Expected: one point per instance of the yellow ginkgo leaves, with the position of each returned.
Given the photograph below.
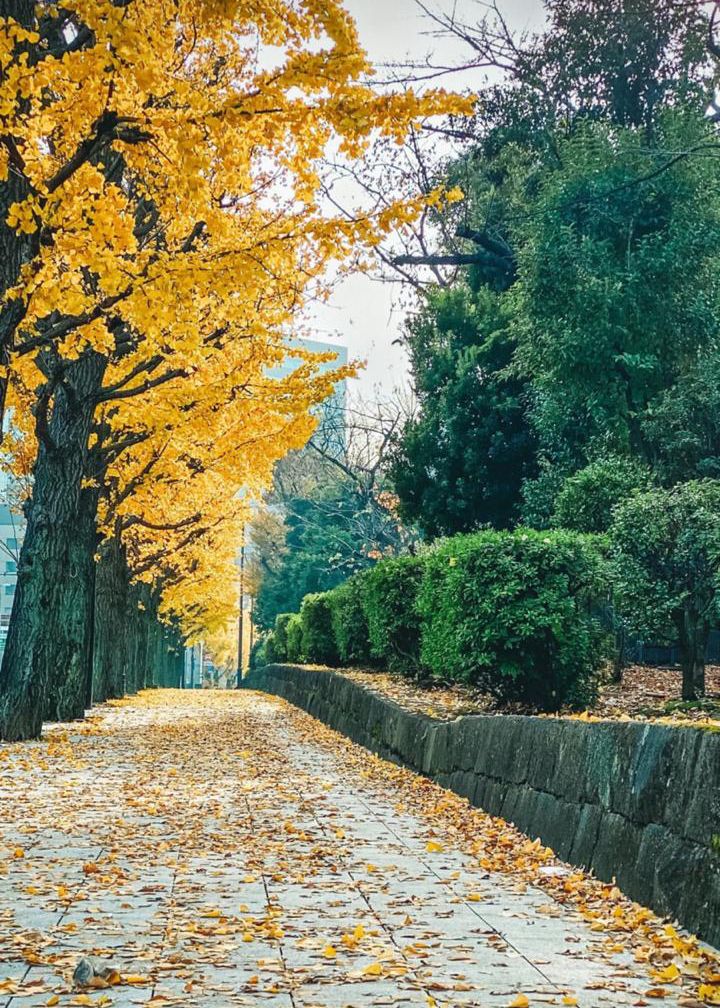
(176, 188)
(21, 217)
(374, 969)
(351, 940)
(668, 974)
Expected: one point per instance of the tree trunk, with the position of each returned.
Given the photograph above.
(44, 667)
(111, 601)
(137, 651)
(73, 690)
(693, 637)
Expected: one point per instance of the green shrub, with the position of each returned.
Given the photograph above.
(512, 612)
(390, 590)
(586, 500)
(257, 654)
(349, 623)
(294, 638)
(280, 635)
(665, 551)
(271, 650)
(318, 640)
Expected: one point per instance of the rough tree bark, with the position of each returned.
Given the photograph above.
(111, 601)
(45, 665)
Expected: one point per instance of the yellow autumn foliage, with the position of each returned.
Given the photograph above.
(171, 225)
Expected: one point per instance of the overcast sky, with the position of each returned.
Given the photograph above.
(361, 313)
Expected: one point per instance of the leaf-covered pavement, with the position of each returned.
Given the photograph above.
(223, 849)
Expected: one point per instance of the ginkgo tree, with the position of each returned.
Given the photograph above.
(178, 503)
(159, 206)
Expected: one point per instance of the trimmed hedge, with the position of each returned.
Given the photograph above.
(271, 650)
(258, 656)
(349, 622)
(389, 603)
(318, 640)
(280, 633)
(513, 613)
(294, 639)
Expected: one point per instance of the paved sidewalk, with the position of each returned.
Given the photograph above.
(222, 849)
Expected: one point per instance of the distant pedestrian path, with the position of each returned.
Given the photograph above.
(223, 849)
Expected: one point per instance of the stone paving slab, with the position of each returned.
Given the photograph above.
(211, 851)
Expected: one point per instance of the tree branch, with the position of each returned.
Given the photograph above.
(151, 383)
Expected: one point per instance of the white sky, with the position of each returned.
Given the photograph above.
(361, 313)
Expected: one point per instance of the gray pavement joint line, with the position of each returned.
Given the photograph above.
(56, 925)
(467, 904)
(170, 904)
(412, 969)
(268, 901)
(6, 1004)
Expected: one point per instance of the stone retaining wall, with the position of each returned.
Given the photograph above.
(631, 801)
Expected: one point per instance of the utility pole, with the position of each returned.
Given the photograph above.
(250, 626)
(238, 683)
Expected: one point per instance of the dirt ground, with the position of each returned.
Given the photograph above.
(645, 693)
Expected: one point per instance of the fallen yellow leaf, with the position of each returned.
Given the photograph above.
(373, 969)
(709, 993)
(670, 973)
(520, 1001)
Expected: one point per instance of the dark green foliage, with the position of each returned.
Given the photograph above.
(294, 639)
(333, 532)
(513, 614)
(271, 653)
(280, 635)
(461, 463)
(624, 62)
(318, 553)
(586, 500)
(318, 640)
(608, 290)
(390, 590)
(682, 425)
(666, 551)
(257, 654)
(617, 288)
(349, 623)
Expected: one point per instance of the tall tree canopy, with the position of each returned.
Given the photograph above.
(590, 225)
(462, 462)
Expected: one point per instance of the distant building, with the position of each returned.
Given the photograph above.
(332, 411)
